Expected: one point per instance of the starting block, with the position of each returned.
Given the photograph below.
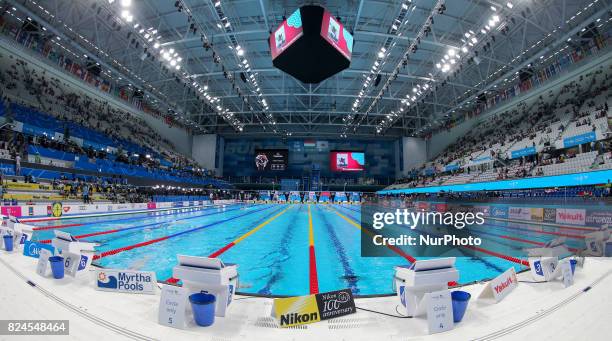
(74, 251)
(412, 283)
(210, 275)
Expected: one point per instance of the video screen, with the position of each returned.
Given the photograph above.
(346, 161)
(286, 34)
(271, 159)
(334, 32)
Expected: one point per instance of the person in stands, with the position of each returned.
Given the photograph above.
(86, 199)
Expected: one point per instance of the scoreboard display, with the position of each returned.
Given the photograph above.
(271, 159)
(346, 161)
(334, 32)
(286, 34)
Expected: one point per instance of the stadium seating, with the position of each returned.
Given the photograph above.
(549, 131)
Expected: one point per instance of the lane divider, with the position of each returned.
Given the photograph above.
(42, 228)
(157, 240)
(248, 234)
(573, 236)
(391, 247)
(551, 225)
(222, 250)
(314, 279)
(476, 248)
(51, 227)
(99, 233)
(95, 215)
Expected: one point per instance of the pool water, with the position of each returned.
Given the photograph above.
(271, 243)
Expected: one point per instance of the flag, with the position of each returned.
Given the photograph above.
(310, 143)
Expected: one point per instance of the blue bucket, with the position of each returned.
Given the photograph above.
(203, 306)
(57, 266)
(573, 263)
(8, 242)
(460, 302)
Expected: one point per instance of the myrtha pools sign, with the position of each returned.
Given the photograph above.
(136, 282)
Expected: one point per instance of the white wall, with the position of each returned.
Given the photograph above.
(179, 137)
(440, 141)
(414, 152)
(203, 150)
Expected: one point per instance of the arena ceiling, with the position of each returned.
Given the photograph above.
(197, 50)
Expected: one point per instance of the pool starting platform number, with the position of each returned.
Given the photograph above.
(439, 311)
(293, 311)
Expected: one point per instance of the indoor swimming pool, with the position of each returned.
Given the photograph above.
(281, 249)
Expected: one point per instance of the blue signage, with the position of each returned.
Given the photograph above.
(576, 179)
(579, 139)
(499, 211)
(522, 152)
(32, 249)
(449, 168)
(429, 171)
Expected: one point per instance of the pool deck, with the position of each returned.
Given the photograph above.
(533, 311)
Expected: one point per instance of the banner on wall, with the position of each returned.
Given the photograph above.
(573, 216)
(550, 215)
(14, 211)
(450, 168)
(522, 152)
(485, 210)
(537, 214)
(499, 212)
(579, 139)
(519, 213)
(598, 218)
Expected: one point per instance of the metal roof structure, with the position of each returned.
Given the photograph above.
(209, 61)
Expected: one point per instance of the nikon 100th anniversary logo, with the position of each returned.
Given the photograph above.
(292, 311)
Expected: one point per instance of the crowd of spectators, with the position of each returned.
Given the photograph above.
(494, 136)
(49, 95)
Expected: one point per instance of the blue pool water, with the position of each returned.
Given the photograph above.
(275, 259)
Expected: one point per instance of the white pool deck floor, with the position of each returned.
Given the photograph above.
(543, 311)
